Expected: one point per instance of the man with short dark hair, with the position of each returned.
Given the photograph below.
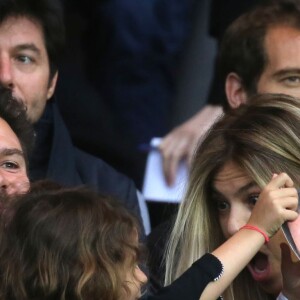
(16, 143)
(260, 53)
(31, 40)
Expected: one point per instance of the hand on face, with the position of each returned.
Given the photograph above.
(277, 203)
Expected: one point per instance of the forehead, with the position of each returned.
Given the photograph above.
(21, 30)
(8, 138)
(230, 171)
(231, 178)
(282, 46)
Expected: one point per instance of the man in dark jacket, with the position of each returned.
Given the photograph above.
(31, 40)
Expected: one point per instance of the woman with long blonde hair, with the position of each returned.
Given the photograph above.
(238, 158)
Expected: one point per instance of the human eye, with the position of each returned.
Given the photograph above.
(292, 80)
(10, 165)
(252, 199)
(25, 59)
(222, 205)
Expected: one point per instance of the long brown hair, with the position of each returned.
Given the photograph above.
(65, 244)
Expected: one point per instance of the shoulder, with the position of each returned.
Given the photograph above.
(104, 178)
(94, 168)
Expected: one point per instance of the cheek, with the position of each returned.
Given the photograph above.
(295, 232)
(274, 246)
(234, 219)
(133, 291)
(223, 225)
(19, 183)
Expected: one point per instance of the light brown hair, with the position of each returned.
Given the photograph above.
(263, 138)
(65, 243)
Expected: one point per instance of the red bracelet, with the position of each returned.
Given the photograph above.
(267, 239)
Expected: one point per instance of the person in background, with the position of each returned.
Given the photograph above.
(130, 53)
(16, 144)
(31, 42)
(180, 143)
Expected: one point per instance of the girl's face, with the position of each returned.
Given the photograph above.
(134, 279)
(236, 194)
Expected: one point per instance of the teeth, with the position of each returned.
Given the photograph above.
(258, 270)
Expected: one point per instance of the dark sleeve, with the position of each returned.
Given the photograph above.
(190, 285)
(105, 179)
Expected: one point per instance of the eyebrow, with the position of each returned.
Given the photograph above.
(242, 190)
(11, 151)
(286, 71)
(29, 46)
(245, 188)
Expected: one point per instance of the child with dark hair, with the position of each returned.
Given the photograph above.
(68, 244)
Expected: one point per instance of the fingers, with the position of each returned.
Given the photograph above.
(281, 189)
(281, 180)
(173, 150)
(290, 215)
(277, 203)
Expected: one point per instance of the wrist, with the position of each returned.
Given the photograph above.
(257, 229)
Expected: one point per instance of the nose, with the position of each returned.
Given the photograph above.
(6, 72)
(140, 275)
(4, 184)
(237, 218)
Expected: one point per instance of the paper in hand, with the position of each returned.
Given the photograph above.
(291, 231)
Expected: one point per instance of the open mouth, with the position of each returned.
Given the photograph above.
(259, 267)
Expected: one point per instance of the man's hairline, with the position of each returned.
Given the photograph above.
(38, 22)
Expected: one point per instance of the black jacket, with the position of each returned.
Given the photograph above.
(191, 284)
(55, 158)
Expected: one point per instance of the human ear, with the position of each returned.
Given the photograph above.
(52, 86)
(235, 92)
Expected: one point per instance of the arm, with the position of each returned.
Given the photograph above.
(280, 203)
(277, 203)
(180, 143)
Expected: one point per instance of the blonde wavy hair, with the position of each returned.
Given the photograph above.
(66, 244)
(263, 138)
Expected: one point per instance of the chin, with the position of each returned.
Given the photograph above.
(272, 289)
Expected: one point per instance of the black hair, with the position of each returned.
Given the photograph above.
(49, 14)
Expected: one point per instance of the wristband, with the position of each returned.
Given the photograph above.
(267, 239)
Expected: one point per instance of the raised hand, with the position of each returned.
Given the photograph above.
(181, 142)
(276, 204)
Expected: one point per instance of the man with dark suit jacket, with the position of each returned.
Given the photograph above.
(31, 40)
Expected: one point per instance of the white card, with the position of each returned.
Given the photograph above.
(155, 187)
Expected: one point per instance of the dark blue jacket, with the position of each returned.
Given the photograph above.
(70, 166)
